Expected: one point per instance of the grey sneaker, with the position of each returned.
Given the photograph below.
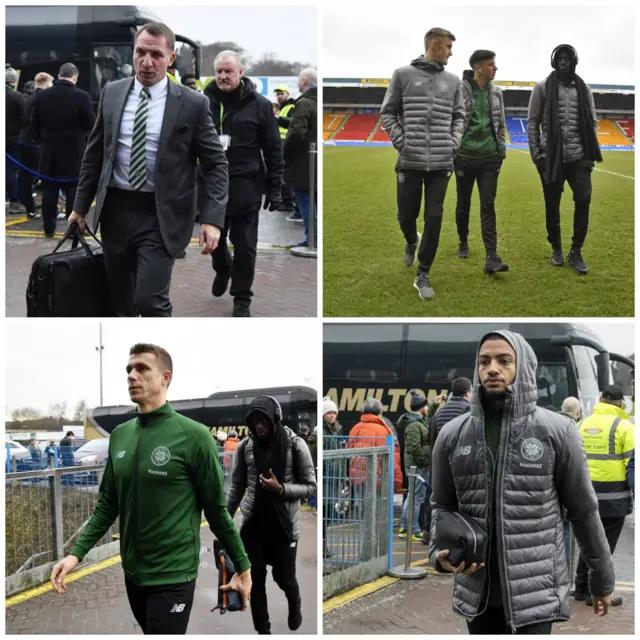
(410, 252)
(423, 285)
(463, 249)
(557, 260)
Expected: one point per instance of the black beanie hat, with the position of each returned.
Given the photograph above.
(479, 55)
(417, 401)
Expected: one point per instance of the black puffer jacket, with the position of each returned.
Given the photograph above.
(541, 467)
(299, 478)
(255, 152)
(452, 408)
(14, 114)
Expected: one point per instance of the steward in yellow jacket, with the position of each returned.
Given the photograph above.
(609, 441)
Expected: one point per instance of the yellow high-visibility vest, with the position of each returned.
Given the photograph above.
(609, 441)
(284, 111)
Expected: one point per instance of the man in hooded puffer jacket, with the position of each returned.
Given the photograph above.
(273, 472)
(423, 112)
(511, 467)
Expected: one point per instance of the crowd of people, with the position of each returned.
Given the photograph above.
(526, 477)
(159, 156)
(441, 124)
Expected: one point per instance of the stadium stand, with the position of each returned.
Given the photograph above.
(610, 136)
(358, 127)
(517, 129)
(331, 122)
(629, 128)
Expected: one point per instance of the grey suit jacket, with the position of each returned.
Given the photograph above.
(187, 136)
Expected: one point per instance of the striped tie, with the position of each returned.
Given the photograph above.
(138, 162)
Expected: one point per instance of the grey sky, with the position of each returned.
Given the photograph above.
(364, 44)
(209, 355)
(289, 32)
(617, 337)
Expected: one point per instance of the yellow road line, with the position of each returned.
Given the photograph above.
(366, 589)
(14, 222)
(76, 575)
(33, 233)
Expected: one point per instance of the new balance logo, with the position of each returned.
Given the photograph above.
(177, 608)
(463, 451)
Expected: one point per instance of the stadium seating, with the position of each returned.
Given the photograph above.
(610, 135)
(517, 128)
(629, 127)
(358, 127)
(331, 121)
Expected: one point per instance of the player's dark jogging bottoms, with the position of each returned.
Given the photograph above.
(410, 189)
(162, 609)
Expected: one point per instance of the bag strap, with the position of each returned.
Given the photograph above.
(73, 231)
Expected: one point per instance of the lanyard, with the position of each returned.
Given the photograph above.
(221, 117)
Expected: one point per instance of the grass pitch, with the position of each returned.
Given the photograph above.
(363, 246)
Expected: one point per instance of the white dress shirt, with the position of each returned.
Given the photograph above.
(155, 115)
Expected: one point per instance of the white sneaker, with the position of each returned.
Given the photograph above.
(62, 216)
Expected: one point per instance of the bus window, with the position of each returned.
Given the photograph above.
(109, 63)
(553, 386)
(623, 375)
(586, 372)
(363, 352)
(185, 59)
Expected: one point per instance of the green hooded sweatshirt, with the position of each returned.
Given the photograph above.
(162, 471)
(479, 140)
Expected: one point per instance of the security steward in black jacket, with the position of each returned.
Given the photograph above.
(62, 118)
(249, 134)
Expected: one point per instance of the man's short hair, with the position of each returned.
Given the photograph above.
(227, 53)
(460, 386)
(158, 29)
(68, 70)
(158, 352)
(70, 433)
(43, 79)
(437, 34)
(373, 406)
(479, 55)
(309, 75)
(187, 76)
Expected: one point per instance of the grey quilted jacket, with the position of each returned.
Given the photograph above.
(299, 481)
(423, 113)
(568, 114)
(496, 108)
(541, 467)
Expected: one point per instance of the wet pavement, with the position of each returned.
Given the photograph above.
(98, 604)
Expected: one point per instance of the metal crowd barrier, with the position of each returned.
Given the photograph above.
(46, 511)
(357, 511)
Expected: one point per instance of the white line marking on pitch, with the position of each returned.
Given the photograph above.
(613, 173)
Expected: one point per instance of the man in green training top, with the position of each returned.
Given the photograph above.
(480, 156)
(162, 472)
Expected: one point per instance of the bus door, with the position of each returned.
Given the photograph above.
(109, 62)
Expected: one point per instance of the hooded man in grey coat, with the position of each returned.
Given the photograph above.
(273, 472)
(511, 466)
(423, 113)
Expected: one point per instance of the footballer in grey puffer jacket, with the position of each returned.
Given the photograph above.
(541, 467)
(423, 113)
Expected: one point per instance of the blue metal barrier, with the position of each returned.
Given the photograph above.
(357, 510)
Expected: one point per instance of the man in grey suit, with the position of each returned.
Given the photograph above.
(140, 165)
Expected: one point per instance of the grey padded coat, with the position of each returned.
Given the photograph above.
(568, 116)
(541, 467)
(299, 481)
(423, 113)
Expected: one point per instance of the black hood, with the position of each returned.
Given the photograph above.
(245, 91)
(267, 407)
(427, 65)
(467, 74)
